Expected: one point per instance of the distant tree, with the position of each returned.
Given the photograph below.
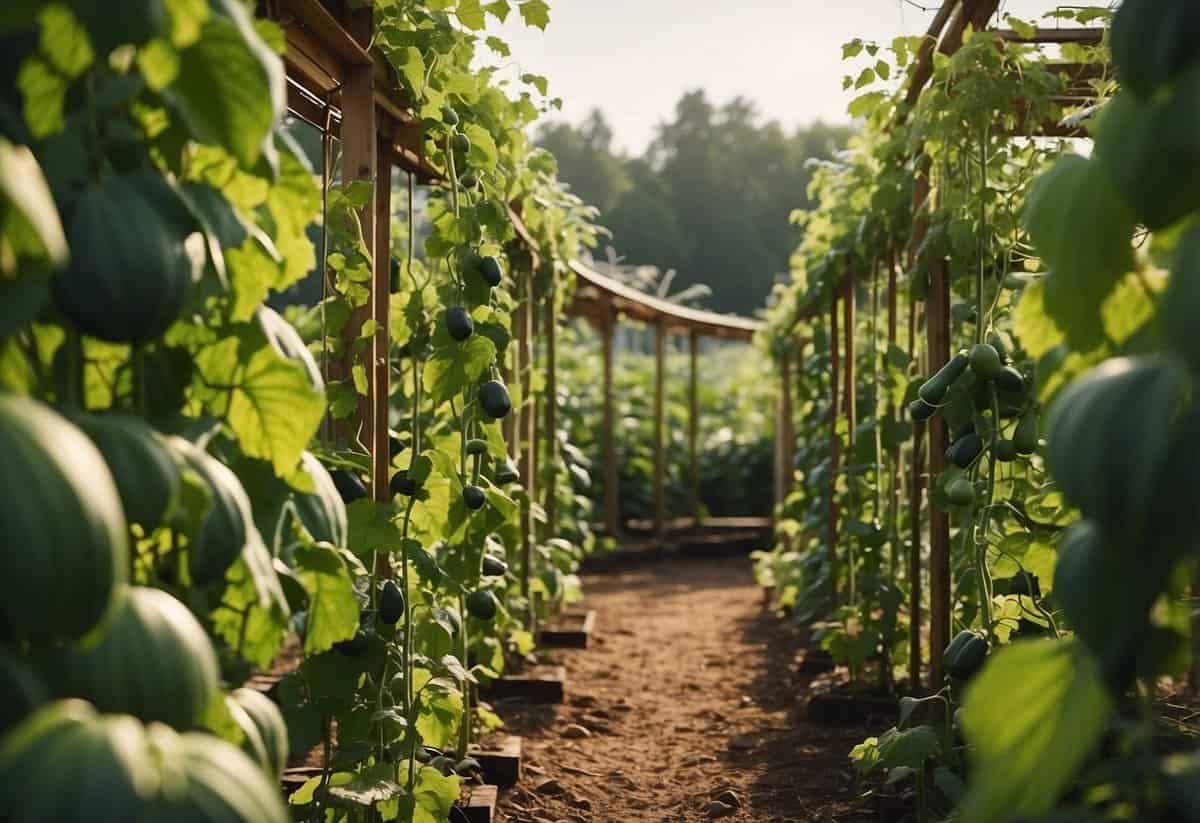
(585, 159)
(711, 197)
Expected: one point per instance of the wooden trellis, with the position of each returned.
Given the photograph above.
(927, 459)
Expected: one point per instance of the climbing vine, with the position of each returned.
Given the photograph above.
(155, 200)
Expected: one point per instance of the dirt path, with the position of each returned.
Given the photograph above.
(689, 692)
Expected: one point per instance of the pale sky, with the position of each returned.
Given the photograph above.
(634, 58)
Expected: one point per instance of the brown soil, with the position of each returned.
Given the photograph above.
(690, 689)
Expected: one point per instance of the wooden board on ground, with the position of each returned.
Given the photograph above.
(850, 710)
(569, 630)
(478, 804)
(500, 760)
(543, 684)
(816, 661)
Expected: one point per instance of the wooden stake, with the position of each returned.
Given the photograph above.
(612, 514)
(694, 421)
(660, 469)
(850, 399)
(835, 442)
(551, 400)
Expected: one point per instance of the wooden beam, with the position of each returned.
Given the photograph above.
(323, 26)
(694, 421)
(612, 510)
(660, 467)
(1087, 36)
(923, 65)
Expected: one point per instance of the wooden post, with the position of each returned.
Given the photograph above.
(835, 441)
(914, 559)
(786, 433)
(894, 453)
(359, 162)
(381, 292)
(551, 399)
(525, 425)
(660, 468)
(850, 399)
(612, 513)
(694, 422)
(937, 330)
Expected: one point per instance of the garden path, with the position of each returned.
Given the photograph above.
(689, 696)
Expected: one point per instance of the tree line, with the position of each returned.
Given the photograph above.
(710, 197)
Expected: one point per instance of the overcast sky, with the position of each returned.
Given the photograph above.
(634, 58)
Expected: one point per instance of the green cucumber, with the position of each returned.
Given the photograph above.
(965, 450)
(1011, 381)
(933, 391)
(1025, 438)
(960, 492)
(985, 361)
(919, 410)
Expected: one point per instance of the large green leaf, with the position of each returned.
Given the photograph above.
(332, 606)
(265, 398)
(1032, 717)
(229, 88)
(451, 368)
(1075, 199)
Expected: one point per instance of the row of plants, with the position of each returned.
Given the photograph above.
(735, 437)
(186, 475)
(1069, 403)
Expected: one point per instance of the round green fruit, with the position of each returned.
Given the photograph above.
(1006, 450)
(126, 286)
(965, 655)
(459, 324)
(494, 566)
(474, 498)
(229, 524)
(489, 268)
(920, 411)
(122, 770)
(153, 660)
(449, 116)
(391, 603)
(506, 473)
(960, 492)
(985, 361)
(477, 446)
(349, 486)
(146, 473)
(63, 526)
(322, 512)
(461, 143)
(403, 485)
(1011, 381)
(481, 605)
(272, 730)
(21, 692)
(494, 399)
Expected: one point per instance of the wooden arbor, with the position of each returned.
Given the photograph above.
(602, 300)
